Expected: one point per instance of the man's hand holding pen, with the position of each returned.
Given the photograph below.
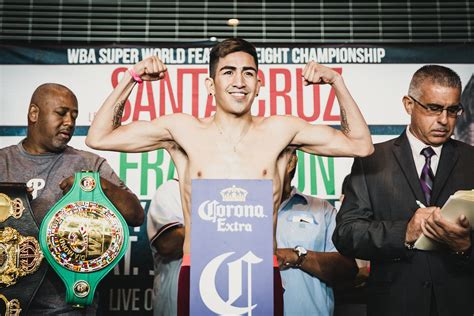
(414, 228)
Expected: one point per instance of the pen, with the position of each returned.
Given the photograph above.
(420, 204)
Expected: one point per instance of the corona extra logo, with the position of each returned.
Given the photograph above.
(207, 284)
(234, 194)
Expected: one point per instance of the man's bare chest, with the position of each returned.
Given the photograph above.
(213, 156)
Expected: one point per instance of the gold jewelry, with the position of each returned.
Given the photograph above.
(12, 307)
(234, 144)
(19, 256)
(9, 207)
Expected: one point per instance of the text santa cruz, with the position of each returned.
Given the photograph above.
(215, 212)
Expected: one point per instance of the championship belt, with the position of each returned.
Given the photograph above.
(83, 237)
(21, 266)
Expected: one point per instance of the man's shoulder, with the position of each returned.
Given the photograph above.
(9, 154)
(183, 122)
(462, 146)
(387, 144)
(75, 151)
(83, 154)
(382, 148)
(167, 188)
(317, 203)
(9, 149)
(180, 117)
(276, 118)
(278, 123)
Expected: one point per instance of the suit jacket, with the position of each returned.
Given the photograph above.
(379, 201)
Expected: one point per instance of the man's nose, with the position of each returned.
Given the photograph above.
(69, 119)
(443, 117)
(239, 80)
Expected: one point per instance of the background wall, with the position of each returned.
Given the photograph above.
(87, 46)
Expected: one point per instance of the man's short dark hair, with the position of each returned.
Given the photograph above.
(229, 46)
(436, 74)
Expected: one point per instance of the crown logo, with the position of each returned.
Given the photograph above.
(234, 194)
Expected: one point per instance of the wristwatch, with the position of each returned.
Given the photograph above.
(409, 245)
(301, 252)
(83, 237)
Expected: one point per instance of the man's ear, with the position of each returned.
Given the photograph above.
(408, 104)
(259, 85)
(210, 86)
(33, 113)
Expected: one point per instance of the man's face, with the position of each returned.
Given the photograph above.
(236, 83)
(432, 129)
(56, 121)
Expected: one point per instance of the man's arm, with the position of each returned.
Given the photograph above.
(165, 227)
(126, 202)
(330, 267)
(106, 132)
(169, 244)
(358, 234)
(354, 137)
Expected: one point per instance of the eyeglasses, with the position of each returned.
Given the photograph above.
(436, 109)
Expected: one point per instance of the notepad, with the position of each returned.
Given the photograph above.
(461, 202)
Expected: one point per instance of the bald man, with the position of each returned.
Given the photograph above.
(45, 162)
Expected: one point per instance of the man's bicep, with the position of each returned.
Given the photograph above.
(141, 136)
(320, 140)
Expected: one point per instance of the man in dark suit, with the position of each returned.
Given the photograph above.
(381, 217)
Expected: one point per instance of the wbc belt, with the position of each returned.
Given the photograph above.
(83, 237)
(21, 266)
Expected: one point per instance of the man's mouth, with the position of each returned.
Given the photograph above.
(440, 132)
(239, 95)
(65, 134)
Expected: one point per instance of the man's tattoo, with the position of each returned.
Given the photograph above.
(344, 124)
(118, 113)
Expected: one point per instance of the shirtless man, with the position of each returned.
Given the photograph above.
(232, 144)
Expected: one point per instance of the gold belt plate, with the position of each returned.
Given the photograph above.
(84, 236)
(19, 256)
(9, 207)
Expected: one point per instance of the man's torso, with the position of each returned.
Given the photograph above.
(204, 153)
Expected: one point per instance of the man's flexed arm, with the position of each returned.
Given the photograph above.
(354, 137)
(106, 131)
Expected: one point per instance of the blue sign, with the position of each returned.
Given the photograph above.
(232, 247)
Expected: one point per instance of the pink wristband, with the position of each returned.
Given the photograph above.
(134, 75)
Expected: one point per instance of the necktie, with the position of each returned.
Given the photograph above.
(427, 176)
